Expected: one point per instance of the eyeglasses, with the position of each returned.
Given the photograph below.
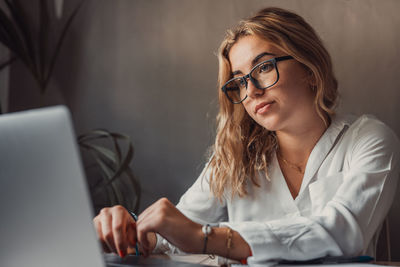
(262, 75)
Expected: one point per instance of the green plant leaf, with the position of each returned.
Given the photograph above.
(7, 62)
(108, 168)
(92, 135)
(10, 37)
(21, 19)
(59, 44)
(99, 134)
(136, 186)
(99, 187)
(107, 171)
(103, 151)
(116, 174)
(118, 153)
(120, 197)
(118, 170)
(12, 40)
(112, 190)
(112, 195)
(43, 36)
(4, 36)
(124, 165)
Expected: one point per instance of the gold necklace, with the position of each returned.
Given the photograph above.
(291, 165)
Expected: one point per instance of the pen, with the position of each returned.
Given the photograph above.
(135, 218)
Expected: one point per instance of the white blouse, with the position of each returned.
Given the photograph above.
(348, 187)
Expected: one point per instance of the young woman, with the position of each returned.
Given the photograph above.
(287, 178)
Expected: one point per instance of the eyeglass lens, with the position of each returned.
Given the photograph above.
(262, 76)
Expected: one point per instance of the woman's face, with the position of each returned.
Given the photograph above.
(286, 105)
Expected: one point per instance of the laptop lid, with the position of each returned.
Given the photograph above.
(46, 212)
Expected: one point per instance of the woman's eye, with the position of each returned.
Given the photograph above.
(265, 67)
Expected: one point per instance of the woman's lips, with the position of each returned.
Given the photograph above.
(263, 107)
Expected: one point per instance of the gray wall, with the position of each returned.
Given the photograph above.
(148, 68)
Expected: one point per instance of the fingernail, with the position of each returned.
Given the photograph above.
(121, 254)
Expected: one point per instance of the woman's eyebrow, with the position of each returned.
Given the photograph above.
(236, 72)
(254, 61)
(257, 58)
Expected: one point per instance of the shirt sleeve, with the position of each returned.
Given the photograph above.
(199, 205)
(346, 224)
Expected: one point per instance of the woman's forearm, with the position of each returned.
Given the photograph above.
(222, 241)
(218, 243)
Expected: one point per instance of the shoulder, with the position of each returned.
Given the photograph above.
(366, 133)
(368, 127)
(367, 124)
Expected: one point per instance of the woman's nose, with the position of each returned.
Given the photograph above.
(253, 91)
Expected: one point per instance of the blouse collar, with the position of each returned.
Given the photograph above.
(325, 144)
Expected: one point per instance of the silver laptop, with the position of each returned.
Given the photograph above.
(45, 210)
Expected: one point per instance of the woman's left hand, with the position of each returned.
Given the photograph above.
(164, 218)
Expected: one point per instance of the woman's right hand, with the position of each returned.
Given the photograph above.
(116, 230)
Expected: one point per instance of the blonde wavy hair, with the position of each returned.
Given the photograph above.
(242, 147)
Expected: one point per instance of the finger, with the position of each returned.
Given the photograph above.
(106, 248)
(131, 240)
(97, 226)
(131, 234)
(141, 236)
(119, 225)
(143, 227)
(152, 220)
(106, 228)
